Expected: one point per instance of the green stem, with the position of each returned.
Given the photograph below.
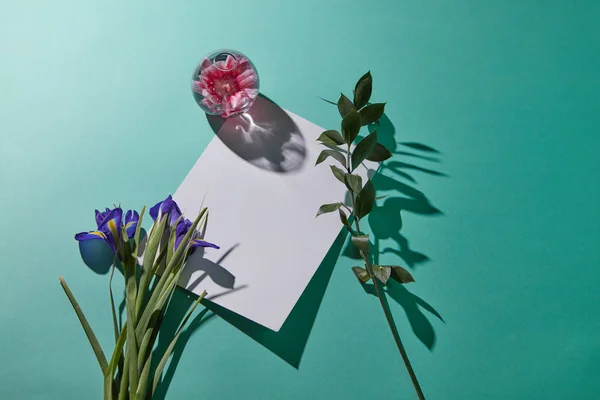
(382, 301)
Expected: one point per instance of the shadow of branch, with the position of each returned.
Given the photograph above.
(386, 222)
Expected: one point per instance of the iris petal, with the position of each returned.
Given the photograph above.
(131, 221)
(167, 206)
(202, 243)
(116, 215)
(93, 235)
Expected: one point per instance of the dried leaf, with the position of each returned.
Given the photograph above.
(382, 273)
(361, 274)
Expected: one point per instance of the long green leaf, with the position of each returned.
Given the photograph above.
(109, 383)
(157, 301)
(154, 238)
(132, 348)
(143, 384)
(150, 307)
(117, 352)
(125, 381)
(165, 357)
(86, 327)
(138, 230)
(112, 302)
(363, 149)
(143, 349)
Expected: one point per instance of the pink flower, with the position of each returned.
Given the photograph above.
(228, 87)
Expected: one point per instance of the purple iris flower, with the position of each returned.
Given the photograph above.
(196, 241)
(170, 207)
(167, 206)
(109, 221)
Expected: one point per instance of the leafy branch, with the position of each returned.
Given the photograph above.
(355, 114)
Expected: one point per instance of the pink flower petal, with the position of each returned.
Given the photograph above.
(197, 87)
(206, 63)
(229, 62)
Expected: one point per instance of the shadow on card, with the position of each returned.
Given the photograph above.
(289, 343)
(265, 137)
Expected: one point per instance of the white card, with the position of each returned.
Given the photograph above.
(259, 181)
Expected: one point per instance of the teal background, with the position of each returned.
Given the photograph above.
(96, 109)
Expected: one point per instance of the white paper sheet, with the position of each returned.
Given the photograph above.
(259, 181)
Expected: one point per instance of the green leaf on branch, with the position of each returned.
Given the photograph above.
(350, 126)
(362, 78)
(327, 208)
(401, 275)
(362, 91)
(345, 221)
(382, 273)
(361, 274)
(331, 153)
(344, 105)
(331, 138)
(365, 200)
(361, 242)
(326, 101)
(363, 149)
(371, 113)
(379, 153)
(353, 182)
(338, 173)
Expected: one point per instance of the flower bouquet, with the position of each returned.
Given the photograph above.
(151, 265)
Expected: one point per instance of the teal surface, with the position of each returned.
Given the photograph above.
(96, 109)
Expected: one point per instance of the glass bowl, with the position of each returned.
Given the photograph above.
(225, 83)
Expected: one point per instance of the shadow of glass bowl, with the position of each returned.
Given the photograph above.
(265, 136)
